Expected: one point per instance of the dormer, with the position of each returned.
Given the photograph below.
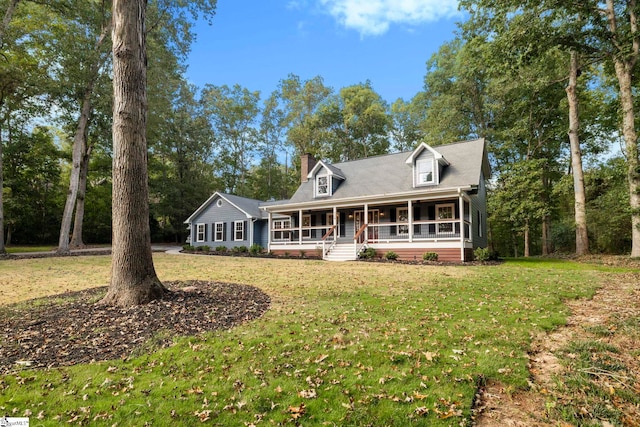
(427, 165)
(325, 178)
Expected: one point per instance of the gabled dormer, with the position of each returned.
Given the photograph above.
(427, 165)
(326, 179)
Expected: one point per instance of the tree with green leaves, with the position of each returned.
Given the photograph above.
(180, 159)
(356, 124)
(515, 200)
(407, 119)
(602, 30)
(300, 101)
(455, 93)
(233, 113)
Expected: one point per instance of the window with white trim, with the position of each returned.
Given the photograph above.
(238, 227)
(306, 225)
(402, 215)
(322, 185)
(446, 214)
(479, 224)
(201, 232)
(219, 232)
(281, 229)
(424, 172)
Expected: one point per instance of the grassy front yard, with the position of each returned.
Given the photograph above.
(343, 344)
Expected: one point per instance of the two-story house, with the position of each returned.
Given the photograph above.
(425, 200)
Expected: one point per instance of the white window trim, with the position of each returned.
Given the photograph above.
(201, 232)
(480, 224)
(278, 225)
(448, 221)
(216, 231)
(416, 174)
(235, 231)
(402, 229)
(328, 192)
(306, 228)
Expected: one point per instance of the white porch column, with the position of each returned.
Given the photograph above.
(300, 226)
(335, 223)
(410, 212)
(366, 221)
(461, 209)
(250, 223)
(270, 224)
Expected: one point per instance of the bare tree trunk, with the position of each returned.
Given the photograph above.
(582, 240)
(80, 145)
(526, 239)
(78, 218)
(133, 277)
(546, 235)
(3, 250)
(624, 63)
(8, 14)
(78, 152)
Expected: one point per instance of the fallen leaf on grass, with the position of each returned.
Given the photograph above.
(297, 411)
(308, 394)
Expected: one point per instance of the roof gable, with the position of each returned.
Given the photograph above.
(249, 207)
(424, 146)
(331, 170)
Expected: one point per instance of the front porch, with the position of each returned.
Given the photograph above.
(409, 228)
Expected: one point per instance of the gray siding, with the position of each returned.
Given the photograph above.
(226, 214)
(479, 206)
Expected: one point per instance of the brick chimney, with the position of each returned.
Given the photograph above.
(307, 162)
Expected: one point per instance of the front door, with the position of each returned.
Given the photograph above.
(373, 218)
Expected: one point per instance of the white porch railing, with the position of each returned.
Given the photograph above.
(381, 232)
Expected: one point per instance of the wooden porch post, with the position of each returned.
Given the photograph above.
(410, 212)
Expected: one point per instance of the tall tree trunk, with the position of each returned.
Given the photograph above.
(79, 150)
(78, 218)
(8, 14)
(2, 246)
(624, 63)
(526, 239)
(580, 203)
(546, 235)
(133, 277)
(78, 153)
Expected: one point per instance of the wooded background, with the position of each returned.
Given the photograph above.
(524, 75)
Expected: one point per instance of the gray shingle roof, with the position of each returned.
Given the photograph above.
(389, 174)
(249, 206)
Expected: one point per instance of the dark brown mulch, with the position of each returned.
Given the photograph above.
(70, 328)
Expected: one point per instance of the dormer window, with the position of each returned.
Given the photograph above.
(427, 165)
(322, 185)
(424, 171)
(326, 179)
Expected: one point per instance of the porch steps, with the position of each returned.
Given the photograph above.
(341, 252)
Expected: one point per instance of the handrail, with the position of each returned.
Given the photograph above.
(326, 250)
(328, 233)
(360, 231)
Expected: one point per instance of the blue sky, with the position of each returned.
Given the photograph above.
(257, 43)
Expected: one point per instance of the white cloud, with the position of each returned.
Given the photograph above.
(373, 17)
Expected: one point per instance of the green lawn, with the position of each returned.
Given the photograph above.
(343, 344)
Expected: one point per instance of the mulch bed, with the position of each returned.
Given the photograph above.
(71, 328)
